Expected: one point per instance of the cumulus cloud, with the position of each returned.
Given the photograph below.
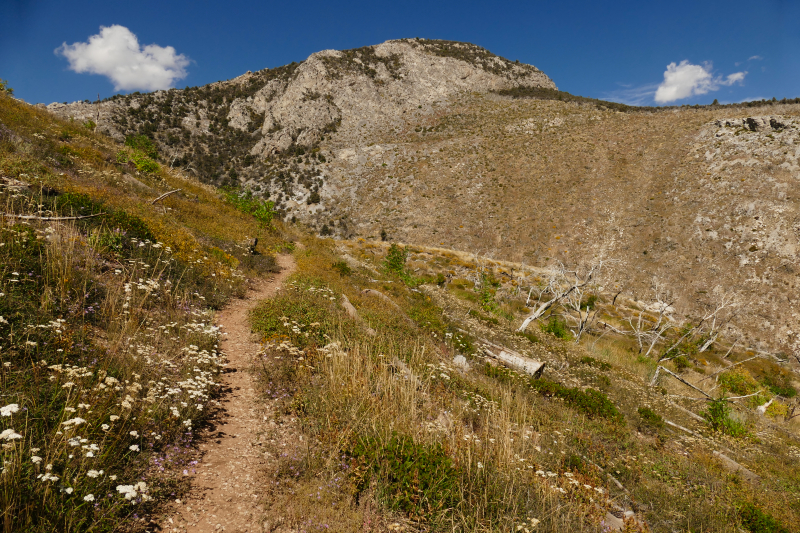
(682, 80)
(115, 53)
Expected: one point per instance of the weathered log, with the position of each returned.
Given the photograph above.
(164, 196)
(513, 359)
(732, 466)
(355, 316)
(50, 219)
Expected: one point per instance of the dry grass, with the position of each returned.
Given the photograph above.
(511, 448)
(108, 354)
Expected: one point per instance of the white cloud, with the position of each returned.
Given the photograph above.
(115, 53)
(755, 58)
(682, 80)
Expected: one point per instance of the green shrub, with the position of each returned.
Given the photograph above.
(395, 261)
(418, 479)
(4, 88)
(718, 417)
(649, 420)
(592, 402)
(142, 144)
(342, 268)
(757, 521)
(591, 361)
(738, 381)
(244, 201)
(681, 363)
(556, 326)
(141, 161)
(779, 386)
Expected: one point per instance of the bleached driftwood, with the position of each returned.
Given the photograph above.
(164, 196)
(732, 466)
(513, 359)
(355, 316)
(676, 376)
(50, 219)
(689, 431)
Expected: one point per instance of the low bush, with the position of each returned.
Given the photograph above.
(418, 479)
(556, 326)
(718, 417)
(591, 361)
(649, 420)
(757, 521)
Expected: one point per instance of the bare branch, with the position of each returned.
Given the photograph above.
(164, 196)
(676, 376)
(50, 219)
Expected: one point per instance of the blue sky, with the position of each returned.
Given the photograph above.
(730, 50)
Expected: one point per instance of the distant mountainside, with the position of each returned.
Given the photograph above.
(445, 144)
(249, 129)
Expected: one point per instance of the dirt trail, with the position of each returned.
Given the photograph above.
(226, 489)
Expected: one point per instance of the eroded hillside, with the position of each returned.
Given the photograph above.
(412, 140)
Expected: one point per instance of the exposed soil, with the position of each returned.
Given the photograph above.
(226, 494)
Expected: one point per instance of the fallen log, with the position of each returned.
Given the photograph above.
(732, 466)
(355, 316)
(513, 359)
(50, 219)
(164, 196)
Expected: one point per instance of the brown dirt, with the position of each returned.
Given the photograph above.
(227, 492)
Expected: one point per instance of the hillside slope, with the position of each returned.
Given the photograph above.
(412, 139)
(398, 394)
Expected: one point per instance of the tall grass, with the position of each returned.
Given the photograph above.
(108, 354)
(391, 421)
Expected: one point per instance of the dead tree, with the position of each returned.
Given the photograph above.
(585, 312)
(652, 333)
(560, 285)
(715, 321)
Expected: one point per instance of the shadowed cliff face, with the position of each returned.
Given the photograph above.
(409, 137)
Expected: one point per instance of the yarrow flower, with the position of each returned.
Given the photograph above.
(10, 434)
(133, 447)
(88, 498)
(131, 491)
(92, 473)
(77, 421)
(35, 459)
(9, 409)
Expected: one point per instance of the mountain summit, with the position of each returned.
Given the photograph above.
(220, 130)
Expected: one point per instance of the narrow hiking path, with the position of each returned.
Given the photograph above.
(226, 493)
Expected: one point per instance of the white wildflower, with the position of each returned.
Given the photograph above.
(92, 473)
(10, 434)
(88, 498)
(35, 459)
(133, 447)
(77, 421)
(114, 418)
(9, 409)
